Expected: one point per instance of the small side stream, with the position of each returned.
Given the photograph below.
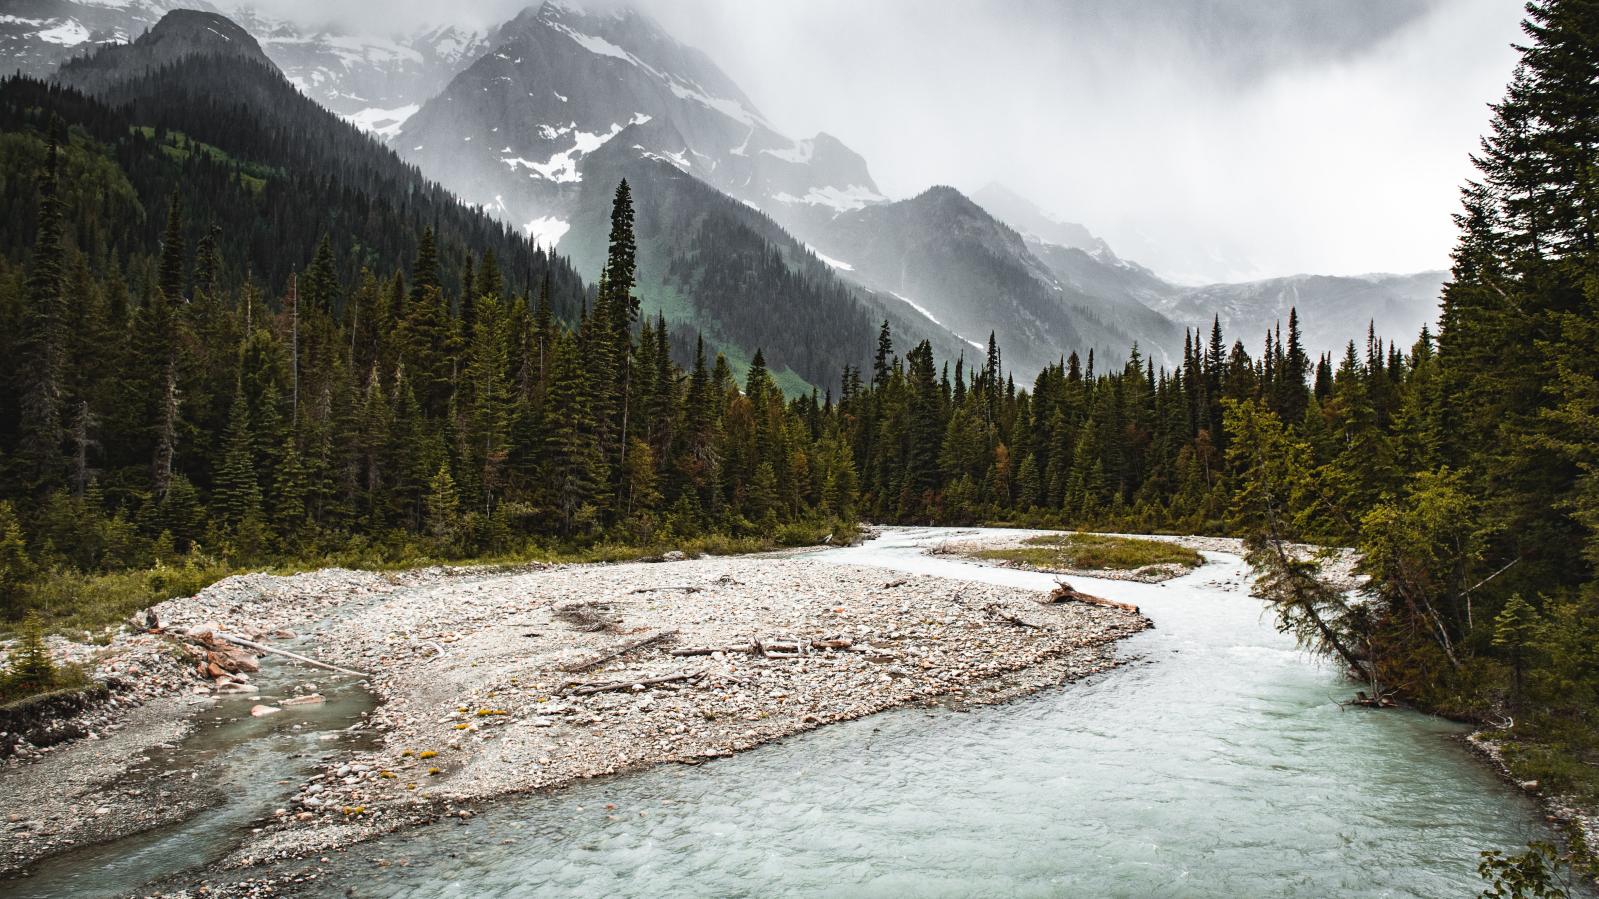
(251, 764)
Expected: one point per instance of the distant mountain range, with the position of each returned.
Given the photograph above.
(752, 237)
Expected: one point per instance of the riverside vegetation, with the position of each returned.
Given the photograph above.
(1085, 552)
(165, 408)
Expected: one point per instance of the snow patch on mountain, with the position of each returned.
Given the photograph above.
(838, 264)
(918, 307)
(799, 154)
(385, 123)
(844, 199)
(730, 108)
(603, 47)
(68, 33)
(546, 231)
(677, 160)
(561, 168)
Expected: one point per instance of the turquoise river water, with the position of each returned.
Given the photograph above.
(1217, 763)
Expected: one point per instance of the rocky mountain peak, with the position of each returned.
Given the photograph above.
(179, 34)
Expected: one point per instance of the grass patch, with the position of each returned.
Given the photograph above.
(71, 600)
(1094, 552)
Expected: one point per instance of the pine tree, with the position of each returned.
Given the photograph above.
(30, 668)
(443, 505)
(41, 347)
(577, 467)
(238, 492)
(885, 351)
(290, 490)
(1515, 630)
(16, 567)
(425, 269)
(426, 339)
(173, 249)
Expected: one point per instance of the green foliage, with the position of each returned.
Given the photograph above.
(15, 567)
(1089, 552)
(1538, 873)
(30, 669)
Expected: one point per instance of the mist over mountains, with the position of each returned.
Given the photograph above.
(750, 237)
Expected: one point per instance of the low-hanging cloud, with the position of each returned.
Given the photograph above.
(1210, 140)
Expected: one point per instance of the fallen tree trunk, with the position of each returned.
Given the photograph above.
(783, 648)
(626, 646)
(1064, 592)
(712, 650)
(1013, 619)
(578, 688)
(258, 647)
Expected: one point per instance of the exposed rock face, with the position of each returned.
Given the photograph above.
(513, 130)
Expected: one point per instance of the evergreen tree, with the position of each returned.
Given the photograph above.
(238, 492)
(41, 347)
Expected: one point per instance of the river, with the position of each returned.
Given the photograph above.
(1217, 763)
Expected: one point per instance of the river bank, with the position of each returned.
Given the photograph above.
(493, 683)
(1218, 765)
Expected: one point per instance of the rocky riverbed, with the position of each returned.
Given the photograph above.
(492, 683)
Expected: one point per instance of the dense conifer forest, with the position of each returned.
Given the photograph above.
(212, 362)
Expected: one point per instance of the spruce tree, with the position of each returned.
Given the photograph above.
(173, 250)
(41, 347)
(16, 567)
(238, 492)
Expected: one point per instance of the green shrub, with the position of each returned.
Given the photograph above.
(1091, 552)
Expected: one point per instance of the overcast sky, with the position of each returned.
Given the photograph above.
(1210, 140)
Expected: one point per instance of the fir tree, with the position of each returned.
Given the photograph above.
(41, 348)
(238, 492)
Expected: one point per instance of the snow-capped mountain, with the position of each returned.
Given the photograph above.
(512, 130)
(1331, 308)
(36, 36)
(536, 120)
(374, 81)
(521, 130)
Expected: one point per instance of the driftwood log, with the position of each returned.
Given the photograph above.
(581, 688)
(623, 648)
(997, 612)
(712, 650)
(1064, 592)
(777, 648)
(258, 647)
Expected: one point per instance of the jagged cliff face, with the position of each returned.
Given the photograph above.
(374, 81)
(513, 130)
